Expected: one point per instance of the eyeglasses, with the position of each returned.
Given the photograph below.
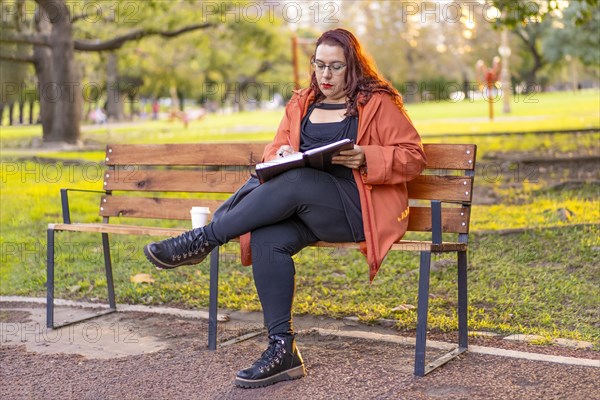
(335, 68)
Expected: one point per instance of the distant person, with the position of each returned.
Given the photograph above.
(98, 116)
(155, 110)
(185, 118)
(363, 198)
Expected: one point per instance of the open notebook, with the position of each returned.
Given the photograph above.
(318, 158)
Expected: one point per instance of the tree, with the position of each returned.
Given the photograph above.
(567, 38)
(549, 30)
(519, 12)
(531, 35)
(16, 90)
(421, 51)
(53, 55)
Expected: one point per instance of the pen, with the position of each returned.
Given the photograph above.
(280, 153)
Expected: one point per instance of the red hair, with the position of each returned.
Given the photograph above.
(362, 77)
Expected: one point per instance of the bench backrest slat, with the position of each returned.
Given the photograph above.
(445, 188)
(185, 154)
(424, 187)
(145, 180)
(450, 156)
(224, 167)
(440, 156)
(454, 220)
(152, 207)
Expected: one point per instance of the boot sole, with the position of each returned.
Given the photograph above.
(160, 265)
(288, 375)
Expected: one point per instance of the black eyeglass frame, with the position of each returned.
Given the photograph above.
(335, 67)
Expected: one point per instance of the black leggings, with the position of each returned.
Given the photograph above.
(285, 214)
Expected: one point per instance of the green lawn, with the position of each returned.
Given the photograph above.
(534, 112)
(539, 111)
(543, 278)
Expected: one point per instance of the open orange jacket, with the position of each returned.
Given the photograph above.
(394, 155)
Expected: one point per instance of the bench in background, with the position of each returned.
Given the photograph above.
(151, 170)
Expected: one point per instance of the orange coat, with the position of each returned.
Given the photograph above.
(394, 155)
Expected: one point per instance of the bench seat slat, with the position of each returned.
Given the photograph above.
(118, 229)
(406, 245)
(185, 154)
(153, 207)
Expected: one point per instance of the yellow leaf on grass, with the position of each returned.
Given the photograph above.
(142, 278)
(404, 307)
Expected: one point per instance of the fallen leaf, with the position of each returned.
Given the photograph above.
(142, 278)
(75, 288)
(564, 214)
(404, 307)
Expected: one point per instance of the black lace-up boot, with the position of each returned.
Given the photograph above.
(186, 249)
(280, 362)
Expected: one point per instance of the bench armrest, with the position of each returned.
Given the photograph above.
(436, 222)
(64, 200)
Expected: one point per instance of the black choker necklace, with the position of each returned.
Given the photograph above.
(331, 106)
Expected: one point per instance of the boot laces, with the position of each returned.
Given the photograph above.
(188, 244)
(273, 355)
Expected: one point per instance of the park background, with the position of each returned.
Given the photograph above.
(221, 71)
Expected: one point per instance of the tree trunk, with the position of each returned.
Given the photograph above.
(530, 35)
(43, 71)
(31, 104)
(88, 112)
(21, 111)
(174, 98)
(60, 91)
(58, 76)
(11, 110)
(181, 98)
(115, 99)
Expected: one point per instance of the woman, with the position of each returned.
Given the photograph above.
(363, 198)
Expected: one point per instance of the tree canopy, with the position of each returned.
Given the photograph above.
(221, 52)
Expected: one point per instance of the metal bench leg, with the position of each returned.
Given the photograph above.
(50, 279)
(420, 368)
(463, 334)
(50, 282)
(422, 307)
(213, 299)
(109, 275)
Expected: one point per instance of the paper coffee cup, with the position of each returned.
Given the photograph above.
(199, 216)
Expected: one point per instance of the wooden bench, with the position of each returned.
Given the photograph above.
(222, 168)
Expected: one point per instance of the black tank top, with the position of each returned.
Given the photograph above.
(319, 134)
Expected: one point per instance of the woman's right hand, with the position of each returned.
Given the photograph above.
(285, 150)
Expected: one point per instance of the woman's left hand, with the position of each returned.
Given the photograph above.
(350, 158)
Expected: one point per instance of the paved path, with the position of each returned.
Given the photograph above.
(141, 355)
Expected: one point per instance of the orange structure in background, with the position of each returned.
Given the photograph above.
(488, 77)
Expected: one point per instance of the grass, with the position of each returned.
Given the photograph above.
(543, 278)
(539, 111)
(534, 112)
